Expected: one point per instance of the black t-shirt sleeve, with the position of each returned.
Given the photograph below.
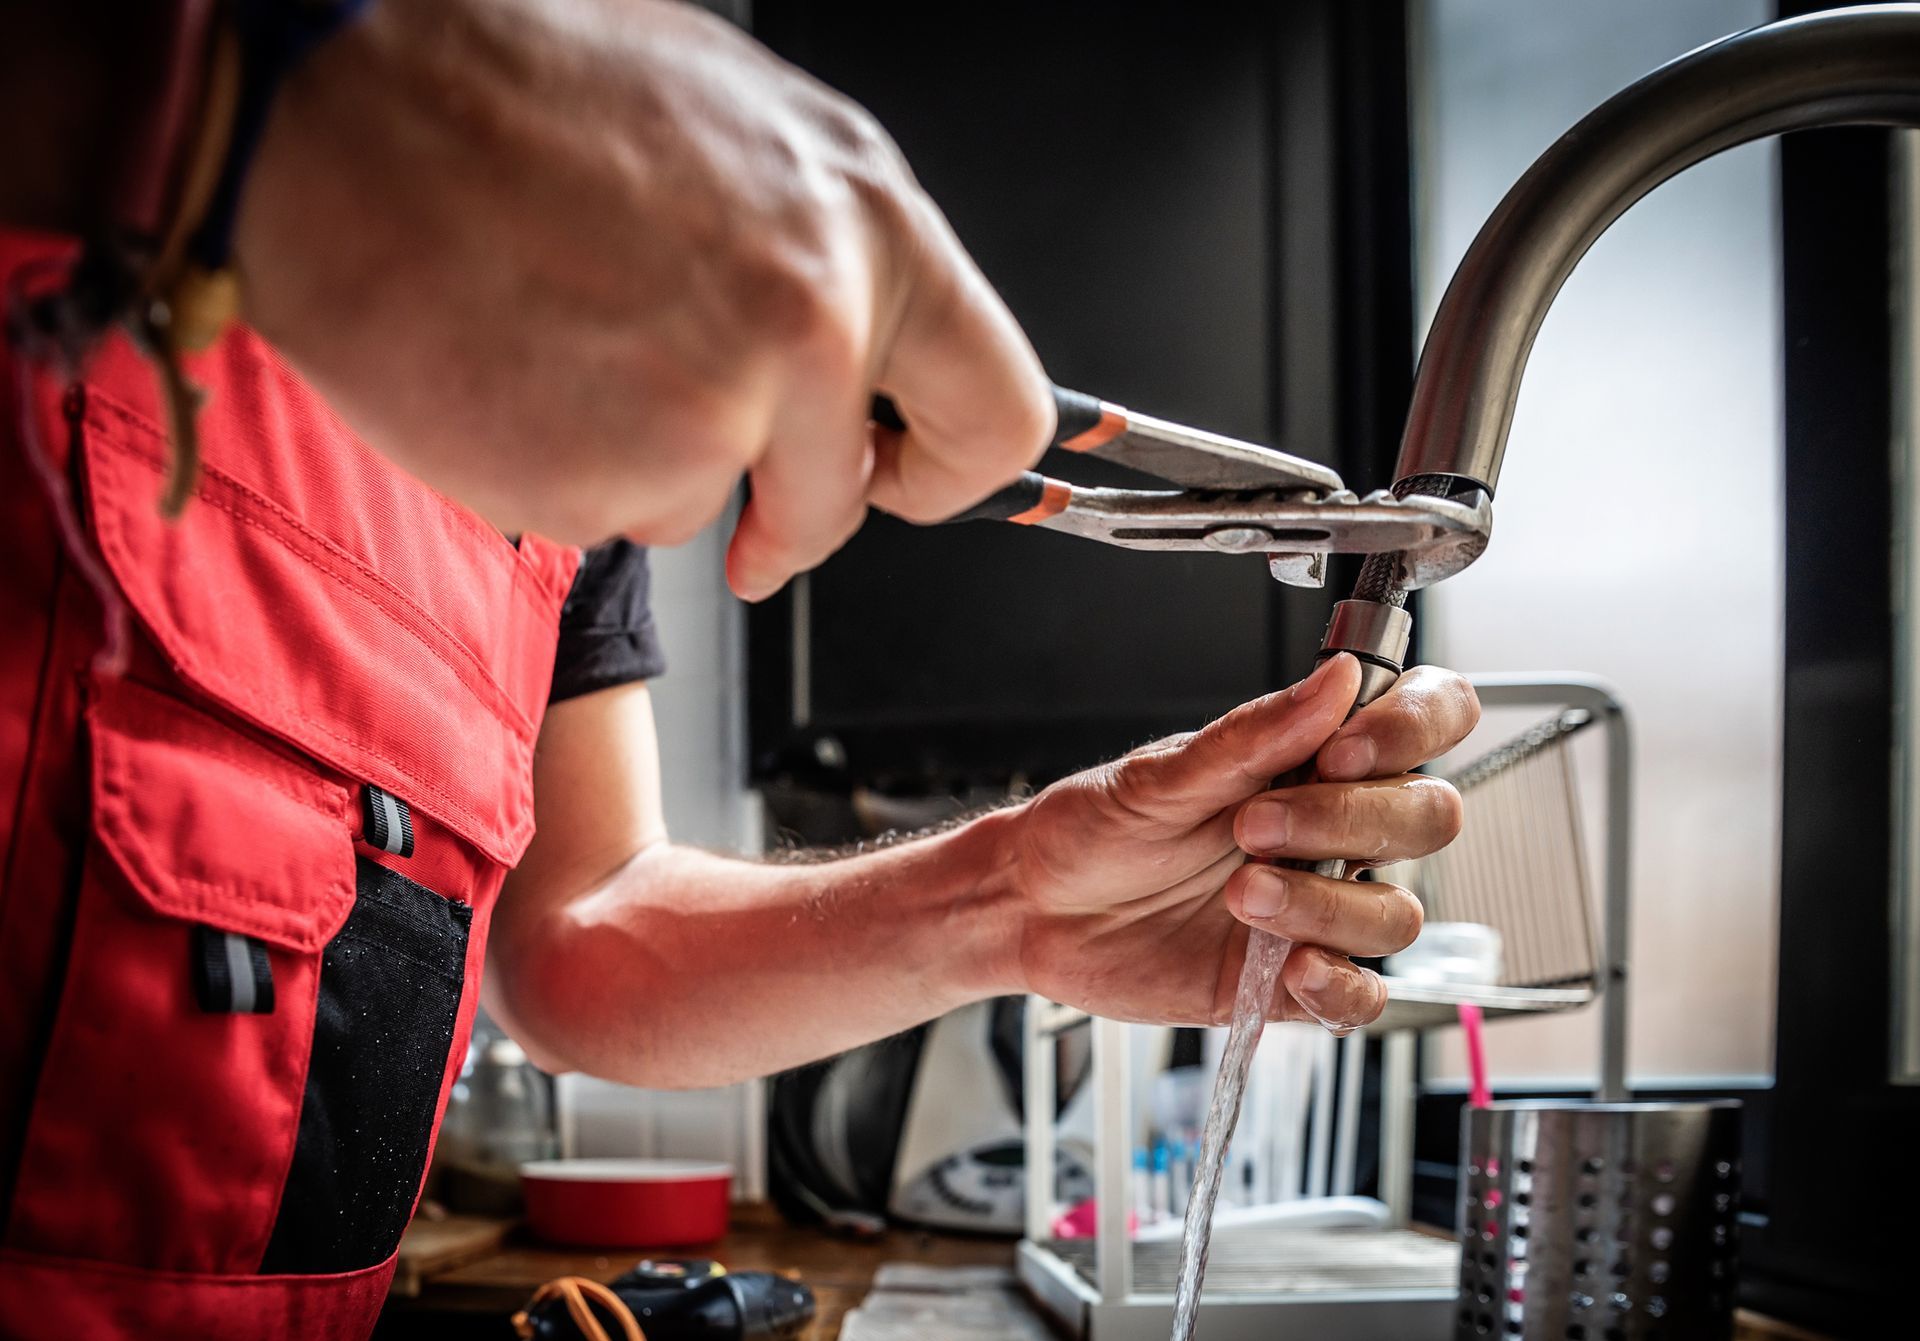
(607, 635)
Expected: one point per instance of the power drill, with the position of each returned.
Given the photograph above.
(687, 1301)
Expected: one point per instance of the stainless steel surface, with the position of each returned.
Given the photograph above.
(1616, 881)
(1296, 1262)
(1275, 1282)
(1320, 1151)
(1411, 1005)
(1374, 681)
(1448, 553)
(1843, 66)
(1346, 1141)
(1602, 1220)
(801, 706)
(1239, 539)
(1520, 863)
(1382, 1310)
(1426, 1005)
(1399, 1088)
(1197, 459)
(1298, 570)
(1369, 629)
(1438, 537)
(1041, 1083)
(1903, 1063)
(1421, 1005)
(1112, 1147)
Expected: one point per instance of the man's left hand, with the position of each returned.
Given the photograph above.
(1132, 881)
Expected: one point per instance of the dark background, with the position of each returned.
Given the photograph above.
(1197, 211)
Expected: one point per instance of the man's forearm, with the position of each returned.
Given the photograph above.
(689, 969)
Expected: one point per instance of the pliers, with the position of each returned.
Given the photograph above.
(1233, 497)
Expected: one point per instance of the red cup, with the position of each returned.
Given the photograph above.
(627, 1203)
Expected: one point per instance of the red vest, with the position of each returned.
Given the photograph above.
(232, 994)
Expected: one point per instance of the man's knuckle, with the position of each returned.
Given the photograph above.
(1371, 998)
(1029, 424)
(867, 151)
(826, 330)
(1133, 789)
(999, 434)
(1224, 738)
(780, 299)
(1426, 723)
(1446, 701)
(1444, 812)
(1324, 908)
(1358, 824)
(891, 202)
(1403, 914)
(1464, 704)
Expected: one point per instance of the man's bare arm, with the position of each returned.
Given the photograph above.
(1124, 889)
(619, 953)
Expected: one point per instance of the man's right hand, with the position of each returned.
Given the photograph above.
(583, 263)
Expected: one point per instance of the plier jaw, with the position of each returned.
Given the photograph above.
(1295, 530)
(1235, 498)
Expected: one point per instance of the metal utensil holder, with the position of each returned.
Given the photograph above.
(1599, 1222)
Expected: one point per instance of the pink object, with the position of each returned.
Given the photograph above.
(1081, 1221)
(627, 1203)
(1473, 1025)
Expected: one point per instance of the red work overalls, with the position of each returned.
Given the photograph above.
(248, 878)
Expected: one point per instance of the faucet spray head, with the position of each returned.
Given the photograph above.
(1377, 634)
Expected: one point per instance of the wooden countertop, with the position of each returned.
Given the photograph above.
(838, 1270)
(496, 1280)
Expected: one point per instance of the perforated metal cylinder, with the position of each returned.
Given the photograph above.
(1599, 1222)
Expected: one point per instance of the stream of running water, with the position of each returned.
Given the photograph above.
(1266, 956)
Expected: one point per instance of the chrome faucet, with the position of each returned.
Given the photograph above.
(1841, 67)
(1855, 66)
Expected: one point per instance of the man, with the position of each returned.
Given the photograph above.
(272, 770)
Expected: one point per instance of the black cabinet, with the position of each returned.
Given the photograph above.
(1200, 211)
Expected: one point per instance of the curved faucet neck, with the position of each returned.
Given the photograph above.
(1839, 67)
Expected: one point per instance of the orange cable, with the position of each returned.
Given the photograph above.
(575, 1291)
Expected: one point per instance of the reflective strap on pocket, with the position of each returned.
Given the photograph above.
(387, 821)
(231, 973)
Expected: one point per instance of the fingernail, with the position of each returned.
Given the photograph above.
(1266, 894)
(1349, 759)
(1315, 684)
(1266, 824)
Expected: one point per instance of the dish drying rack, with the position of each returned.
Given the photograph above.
(1520, 866)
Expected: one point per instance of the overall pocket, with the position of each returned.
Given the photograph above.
(390, 988)
(217, 869)
(252, 1038)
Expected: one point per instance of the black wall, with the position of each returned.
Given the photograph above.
(1198, 211)
(1844, 1133)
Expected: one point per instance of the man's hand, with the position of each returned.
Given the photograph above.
(618, 952)
(1120, 871)
(583, 264)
